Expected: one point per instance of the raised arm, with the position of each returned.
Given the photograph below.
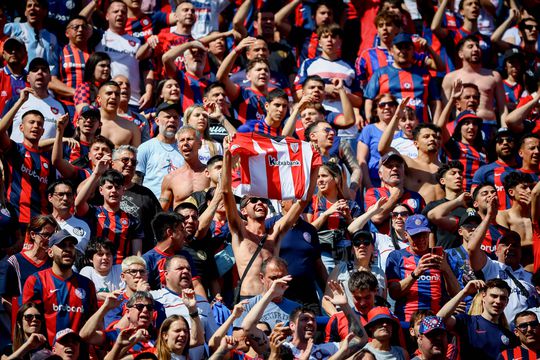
(351, 163)
(453, 91)
(477, 257)
(515, 119)
(436, 23)
(440, 215)
(496, 37)
(388, 133)
(241, 15)
(170, 56)
(348, 117)
(450, 307)
(89, 187)
(92, 331)
(226, 66)
(236, 313)
(288, 129)
(196, 329)
(205, 220)
(7, 120)
(233, 218)
(500, 97)
(65, 168)
(281, 16)
(361, 221)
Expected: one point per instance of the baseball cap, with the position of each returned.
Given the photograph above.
(470, 215)
(379, 313)
(90, 111)
(431, 323)
(416, 224)
(164, 106)
(190, 203)
(64, 333)
(13, 43)
(467, 114)
(510, 53)
(362, 234)
(504, 131)
(402, 38)
(60, 236)
(390, 155)
(37, 63)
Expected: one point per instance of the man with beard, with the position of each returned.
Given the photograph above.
(432, 339)
(482, 336)
(68, 299)
(12, 75)
(420, 172)
(527, 329)
(391, 172)
(160, 156)
(489, 82)
(494, 173)
(421, 90)
(178, 185)
(137, 200)
(115, 128)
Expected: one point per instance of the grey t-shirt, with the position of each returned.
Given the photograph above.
(395, 353)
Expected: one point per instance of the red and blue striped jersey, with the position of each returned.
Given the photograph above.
(261, 127)
(494, 173)
(412, 199)
(489, 244)
(71, 69)
(24, 267)
(518, 353)
(141, 28)
(155, 264)
(309, 48)
(191, 88)
(80, 150)
(484, 42)
(512, 94)
(10, 86)
(414, 82)
(250, 104)
(471, 159)
(119, 227)
(66, 303)
(426, 292)
(29, 173)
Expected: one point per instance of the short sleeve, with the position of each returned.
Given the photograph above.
(490, 269)
(372, 88)
(392, 267)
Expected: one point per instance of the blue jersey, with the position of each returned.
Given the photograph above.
(494, 173)
(22, 266)
(467, 155)
(414, 82)
(155, 264)
(67, 303)
(250, 104)
(261, 127)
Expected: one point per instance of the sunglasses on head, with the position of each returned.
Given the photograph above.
(525, 326)
(140, 307)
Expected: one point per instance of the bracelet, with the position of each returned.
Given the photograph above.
(415, 277)
(194, 314)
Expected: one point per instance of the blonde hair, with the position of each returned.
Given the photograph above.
(132, 260)
(477, 308)
(205, 135)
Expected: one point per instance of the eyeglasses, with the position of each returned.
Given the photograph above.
(45, 235)
(140, 307)
(76, 27)
(62, 194)
(530, 27)
(358, 242)
(126, 161)
(525, 326)
(402, 214)
(31, 317)
(134, 272)
(382, 105)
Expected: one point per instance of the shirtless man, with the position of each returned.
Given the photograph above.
(518, 186)
(115, 128)
(488, 81)
(420, 173)
(182, 182)
(247, 234)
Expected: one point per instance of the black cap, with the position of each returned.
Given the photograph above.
(36, 63)
(402, 38)
(363, 234)
(513, 52)
(389, 155)
(90, 111)
(13, 43)
(470, 215)
(504, 131)
(60, 236)
(164, 106)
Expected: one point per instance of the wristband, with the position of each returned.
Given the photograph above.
(415, 277)
(194, 314)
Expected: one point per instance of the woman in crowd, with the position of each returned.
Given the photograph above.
(197, 117)
(29, 332)
(97, 71)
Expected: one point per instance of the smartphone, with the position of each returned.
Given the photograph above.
(437, 250)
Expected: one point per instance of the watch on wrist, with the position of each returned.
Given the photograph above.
(194, 314)
(415, 277)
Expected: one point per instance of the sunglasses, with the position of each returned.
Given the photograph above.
(525, 326)
(501, 140)
(402, 214)
(126, 161)
(140, 307)
(255, 200)
(31, 317)
(382, 105)
(358, 242)
(530, 27)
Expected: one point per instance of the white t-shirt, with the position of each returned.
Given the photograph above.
(204, 151)
(518, 301)
(405, 147)
(51, 109)
(107, 283)
(155, 160)
(207, 12)
(79, 229)
(122, 50)
(384, 246)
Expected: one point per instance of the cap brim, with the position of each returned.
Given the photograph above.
(418, 231)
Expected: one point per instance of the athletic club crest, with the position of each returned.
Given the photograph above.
(294, 147)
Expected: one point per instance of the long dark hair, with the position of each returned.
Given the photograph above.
(393, 233)
(91, 64)
(19, 337)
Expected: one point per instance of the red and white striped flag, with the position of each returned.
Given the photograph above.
(273, 168)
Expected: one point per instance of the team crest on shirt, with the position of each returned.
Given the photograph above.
(78, 231)
(307, 237)
(234, 147)
(505, 340)
(54, 110)
(124, 222)
(80, 293)
(5, 212)
(145, 22)
(294, 147)
(412, 203)
(3, 93)
(407, 85)
(70, 4)
(45, 165)
(131, 43)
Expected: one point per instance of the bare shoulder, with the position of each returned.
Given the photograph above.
(126, 124)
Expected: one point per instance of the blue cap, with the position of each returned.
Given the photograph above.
(431, 323)
(90, 111)
(416, 224)
(467, 114)
(402, 38)
(60, 236)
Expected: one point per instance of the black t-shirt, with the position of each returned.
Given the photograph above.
(446, 239)
(203, 260)
(141, 203)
